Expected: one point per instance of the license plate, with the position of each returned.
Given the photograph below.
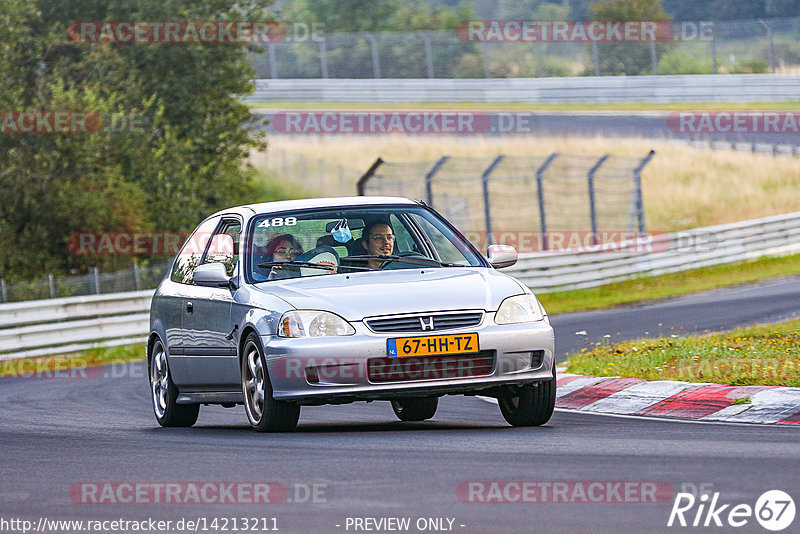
(428, 345)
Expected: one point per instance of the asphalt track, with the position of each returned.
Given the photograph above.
(58, 433)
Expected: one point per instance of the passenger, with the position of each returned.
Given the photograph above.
(378, 239)
(282, 248)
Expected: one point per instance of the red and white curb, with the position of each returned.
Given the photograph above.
(681, 400)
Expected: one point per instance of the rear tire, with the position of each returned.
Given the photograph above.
(416, 408)
(529, 405)
(164, 393)
(264, 412)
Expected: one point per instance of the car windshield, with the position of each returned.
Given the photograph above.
(302, 243)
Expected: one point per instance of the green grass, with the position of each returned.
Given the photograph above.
(529, 106)
(668, 285)
(72, 362)
(761, 355)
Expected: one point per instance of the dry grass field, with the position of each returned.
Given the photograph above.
(683, 187)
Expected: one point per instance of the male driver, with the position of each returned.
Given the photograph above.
(379, 241)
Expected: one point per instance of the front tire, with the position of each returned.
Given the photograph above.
(416, 408)
(164, 393)
(529, 405)
(264, 412)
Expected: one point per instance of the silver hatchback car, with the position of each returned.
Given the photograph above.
(329, 301)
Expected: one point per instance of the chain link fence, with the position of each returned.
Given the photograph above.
(495, 199)
(696, 47)
(145, 276)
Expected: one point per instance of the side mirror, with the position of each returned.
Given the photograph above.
(501, 256)
(211, 275)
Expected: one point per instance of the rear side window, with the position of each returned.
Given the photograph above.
(192, 252)
(224, 247)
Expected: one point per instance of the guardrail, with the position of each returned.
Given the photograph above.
(40, 327)
(593, 89)
(64, 325)
(659, 254)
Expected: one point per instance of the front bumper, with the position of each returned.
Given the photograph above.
(334, 370)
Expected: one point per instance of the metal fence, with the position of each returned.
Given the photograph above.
(316, 176)
(745, 46)
(485, 197)
(134, 278)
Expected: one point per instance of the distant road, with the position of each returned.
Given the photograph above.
(637, 124)
(769, 301)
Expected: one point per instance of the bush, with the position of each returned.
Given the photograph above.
(680, 62)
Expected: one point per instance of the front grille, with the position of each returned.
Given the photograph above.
(447, 367)
(414, 323)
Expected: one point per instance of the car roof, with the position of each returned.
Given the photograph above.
(305, 203)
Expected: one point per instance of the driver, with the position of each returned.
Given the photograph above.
(379, 241)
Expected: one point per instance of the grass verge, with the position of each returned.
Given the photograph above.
(761, 355)
(668, 285)
(70, 365)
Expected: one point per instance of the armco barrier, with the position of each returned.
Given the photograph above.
(52, 326)
(592, 89)
(661, 254)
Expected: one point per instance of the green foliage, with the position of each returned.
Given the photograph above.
(182, 160)
(748, 66)
(681, 62)
(627, 58)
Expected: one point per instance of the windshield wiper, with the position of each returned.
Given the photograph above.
(295, 263)
(406, 259)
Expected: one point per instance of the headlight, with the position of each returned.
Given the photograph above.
(309, 323)
(519, 309)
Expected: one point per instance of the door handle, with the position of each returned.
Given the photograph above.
(189, 307)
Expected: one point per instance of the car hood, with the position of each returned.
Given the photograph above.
(368, 294)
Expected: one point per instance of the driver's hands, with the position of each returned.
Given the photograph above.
(329, 265)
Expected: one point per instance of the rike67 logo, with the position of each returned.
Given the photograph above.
(774, 510)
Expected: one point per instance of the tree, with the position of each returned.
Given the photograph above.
(628, 58)
(183, 160)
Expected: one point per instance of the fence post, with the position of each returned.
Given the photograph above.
(137, 279)
(52, 283)
(3, 293)
(540, 194)
(362, 182)
(595, 58)
(592, 204)
(376, 60)
(771, 45)
(487, 69)
(429, 179)
(486, 207)
(638, 200)
(95, 272)
(714, 67)
(273, 65)
(653, 57)
(323, 58)
(428, 53)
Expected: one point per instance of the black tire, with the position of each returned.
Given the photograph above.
(529, 405)
(264, 412)
(416, 408)
(164, 393)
